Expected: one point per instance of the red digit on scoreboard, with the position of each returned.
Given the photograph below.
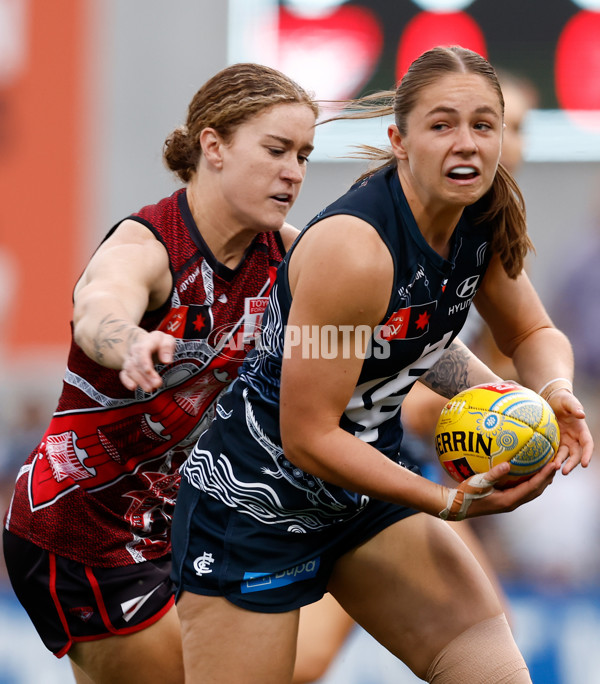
(577, 67)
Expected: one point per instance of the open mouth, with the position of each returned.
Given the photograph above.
(463, 173)
(283, 198)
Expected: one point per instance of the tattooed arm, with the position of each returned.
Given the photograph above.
(457, 370)
(128, 275)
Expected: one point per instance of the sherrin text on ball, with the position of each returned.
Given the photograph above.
(489, 424)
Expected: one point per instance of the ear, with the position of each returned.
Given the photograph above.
(211, 144)
(396, 141)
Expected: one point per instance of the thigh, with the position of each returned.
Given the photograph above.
(414, 586)
(223, 643)
(152, 655)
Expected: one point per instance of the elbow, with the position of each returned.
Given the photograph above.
(299, 447)
(83, 336)
(81, 331)
(79, 336)
(290, 431)
(542, 334)
(294, 451)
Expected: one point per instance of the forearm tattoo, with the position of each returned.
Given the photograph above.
(112, 332)
(450, 374)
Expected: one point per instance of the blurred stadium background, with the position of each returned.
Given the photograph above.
(89, 89)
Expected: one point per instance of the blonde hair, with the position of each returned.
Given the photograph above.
(224, 102)
(503, 205)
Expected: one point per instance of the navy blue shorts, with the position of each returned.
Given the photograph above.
(70, 602)
(218, 551)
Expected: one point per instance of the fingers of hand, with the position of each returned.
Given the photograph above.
(166, 350)
(497, 472)
(576, 447)
(132, 379)
(568, 410)
(127, 381)
(532, 488)
(537, 485)
(138, 366)
(570, 456)
(576, 444)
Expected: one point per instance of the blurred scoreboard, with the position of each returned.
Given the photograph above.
(342, 49)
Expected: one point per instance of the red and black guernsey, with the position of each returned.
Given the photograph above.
(100, 487)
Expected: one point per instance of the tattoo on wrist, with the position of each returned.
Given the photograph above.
(112, 332)
(450, 375)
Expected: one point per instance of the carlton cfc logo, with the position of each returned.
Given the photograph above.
(468, 287)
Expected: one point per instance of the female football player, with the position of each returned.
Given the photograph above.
(297, 487)
(163, 315)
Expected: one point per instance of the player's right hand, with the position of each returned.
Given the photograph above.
(138, 369)
(503, 500)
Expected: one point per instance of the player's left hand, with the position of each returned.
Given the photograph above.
(576, 443)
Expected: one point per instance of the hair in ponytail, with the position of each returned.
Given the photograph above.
(503, 205)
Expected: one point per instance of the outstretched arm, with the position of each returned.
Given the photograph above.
(127, 275)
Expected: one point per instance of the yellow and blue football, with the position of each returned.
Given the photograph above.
(489, 424)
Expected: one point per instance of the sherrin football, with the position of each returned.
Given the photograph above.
(488, 424)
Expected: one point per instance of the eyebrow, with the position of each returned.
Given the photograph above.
(288, 143)
(441, 109)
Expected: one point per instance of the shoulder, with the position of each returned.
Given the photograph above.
(288, 234)
(346, 254)
(132, 243)
(348, 237)
(132, 232)
(132, 229)
(371, 199)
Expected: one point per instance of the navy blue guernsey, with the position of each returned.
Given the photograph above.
(239, 460)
